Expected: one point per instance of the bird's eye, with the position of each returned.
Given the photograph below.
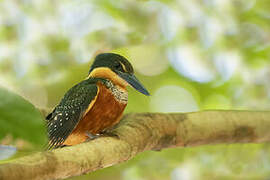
(118, 66)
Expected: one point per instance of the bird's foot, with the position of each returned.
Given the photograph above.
(109, 133)
(106, 133)
(92, 136)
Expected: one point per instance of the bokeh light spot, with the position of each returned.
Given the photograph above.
(173, 99)
(148, 60)
(227, 63)
(188, 62)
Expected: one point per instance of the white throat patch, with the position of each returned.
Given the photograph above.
(119, 93)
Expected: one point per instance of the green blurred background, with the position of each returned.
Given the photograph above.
(191, 55)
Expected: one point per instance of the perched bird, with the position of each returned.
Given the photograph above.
(95, 104)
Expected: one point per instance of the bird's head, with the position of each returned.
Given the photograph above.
(117, 69)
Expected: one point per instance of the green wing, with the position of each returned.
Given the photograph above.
(65, 117)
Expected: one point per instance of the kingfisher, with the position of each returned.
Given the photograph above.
(95, 104)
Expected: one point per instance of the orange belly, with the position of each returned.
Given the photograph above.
(104, 114)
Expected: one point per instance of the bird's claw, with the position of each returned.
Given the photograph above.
(92, 136)
(102, 134)
(109, 133)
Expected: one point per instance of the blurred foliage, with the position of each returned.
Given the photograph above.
(191, 55)
(20, 123)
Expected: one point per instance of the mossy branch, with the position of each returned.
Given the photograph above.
(141, 132)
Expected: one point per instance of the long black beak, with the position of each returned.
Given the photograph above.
(134, 82)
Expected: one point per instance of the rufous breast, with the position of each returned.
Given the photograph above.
(103, 113)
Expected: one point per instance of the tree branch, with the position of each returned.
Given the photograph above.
(138, 133)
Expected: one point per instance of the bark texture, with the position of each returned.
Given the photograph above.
(141, 132)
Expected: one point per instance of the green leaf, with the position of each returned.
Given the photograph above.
(20, 120)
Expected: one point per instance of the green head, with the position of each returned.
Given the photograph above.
(117, 69)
